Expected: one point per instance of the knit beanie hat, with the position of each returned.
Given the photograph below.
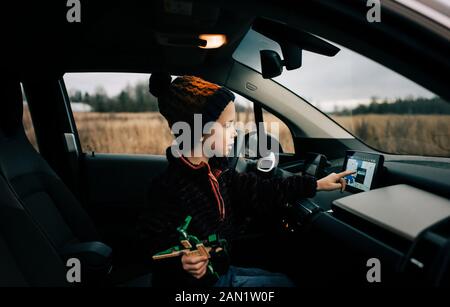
(188, 95)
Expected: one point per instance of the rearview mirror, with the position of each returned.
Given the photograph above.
(292, 41)
(271, 64)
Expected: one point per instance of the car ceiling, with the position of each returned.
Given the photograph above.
(123, 37)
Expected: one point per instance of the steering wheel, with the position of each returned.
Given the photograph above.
(240, 164)
(299, 212)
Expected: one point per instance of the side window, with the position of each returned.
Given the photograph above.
(277, 128)
(245, 114)
(245, 121)
(28, 122)
(115, 113)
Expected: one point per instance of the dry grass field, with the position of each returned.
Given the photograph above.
(148, 133)
(402, 134)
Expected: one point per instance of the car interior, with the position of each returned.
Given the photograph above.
(62, 202)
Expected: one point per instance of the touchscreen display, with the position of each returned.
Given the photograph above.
(365, 170)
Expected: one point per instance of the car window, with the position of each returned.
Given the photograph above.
(115, 113)
(245, 114)
(28, 122)
(380, 107)
(276, 127)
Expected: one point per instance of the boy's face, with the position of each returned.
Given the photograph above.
(223, 134)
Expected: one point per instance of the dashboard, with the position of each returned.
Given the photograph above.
(405, 226)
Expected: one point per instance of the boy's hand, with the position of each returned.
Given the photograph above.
(334, 181)
(195, 265)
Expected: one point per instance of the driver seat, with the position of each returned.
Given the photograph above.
(45, 199)
(43, 194)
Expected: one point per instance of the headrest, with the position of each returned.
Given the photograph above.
(11, 106)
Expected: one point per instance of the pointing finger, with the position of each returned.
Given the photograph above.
(346, 173)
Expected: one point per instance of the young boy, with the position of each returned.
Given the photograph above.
(205, 188)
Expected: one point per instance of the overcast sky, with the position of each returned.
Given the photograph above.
(346, 79)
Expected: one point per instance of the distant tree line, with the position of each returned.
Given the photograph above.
(131, 99)
(408, 105)
(138, 99)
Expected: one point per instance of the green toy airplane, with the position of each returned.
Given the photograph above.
(191, 245)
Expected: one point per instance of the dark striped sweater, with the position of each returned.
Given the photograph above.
(216, 196)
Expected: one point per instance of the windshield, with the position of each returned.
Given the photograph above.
(382, 108)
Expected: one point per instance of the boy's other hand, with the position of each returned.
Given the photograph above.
(195, 265)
